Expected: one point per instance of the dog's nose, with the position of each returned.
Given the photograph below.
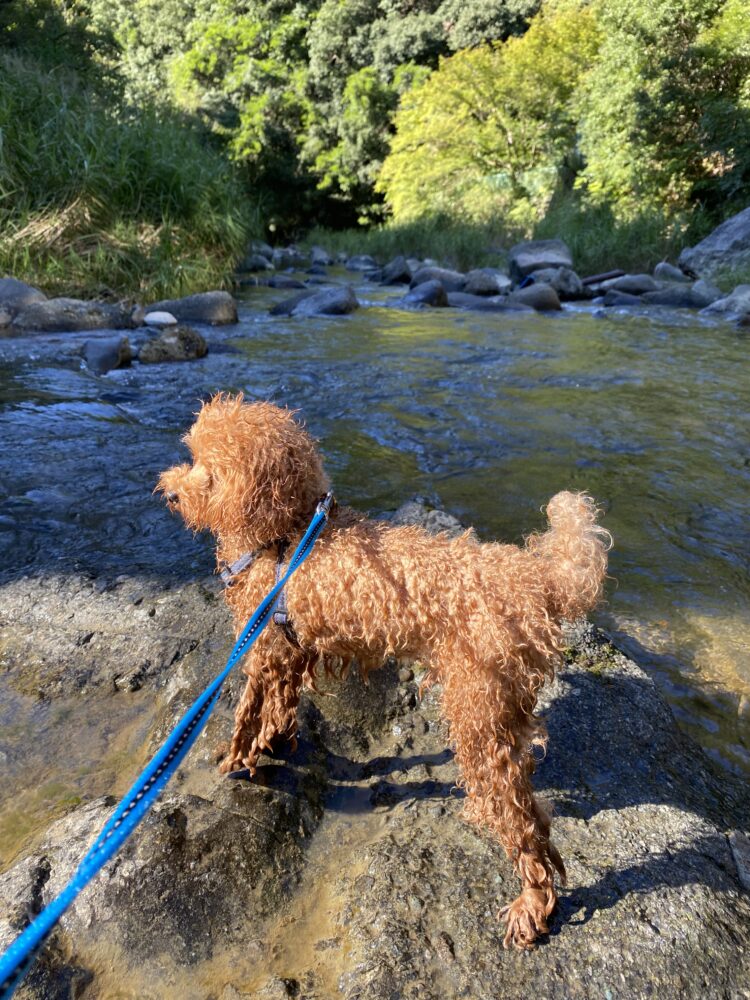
(172, 497)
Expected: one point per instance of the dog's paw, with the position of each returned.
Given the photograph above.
(526, 918)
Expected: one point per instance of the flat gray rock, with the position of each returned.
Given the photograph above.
(69, 315)
(15, 294)
(213, 308)
(338, 301)
(487, 281)
(105, 353)
(533, 255)
(726, 249)
(452, 281)
(427, 293)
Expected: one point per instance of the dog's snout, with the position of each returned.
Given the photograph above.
(172, 497)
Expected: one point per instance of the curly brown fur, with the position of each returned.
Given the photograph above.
(484, 618)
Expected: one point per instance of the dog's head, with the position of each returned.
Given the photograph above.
(256, 474)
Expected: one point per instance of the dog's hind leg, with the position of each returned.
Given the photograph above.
(267, 707)
(494, 739)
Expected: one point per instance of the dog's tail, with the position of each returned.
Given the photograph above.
(575, 552)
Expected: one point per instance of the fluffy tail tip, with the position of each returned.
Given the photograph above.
(566, 508)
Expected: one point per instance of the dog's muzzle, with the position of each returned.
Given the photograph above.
(172, 497)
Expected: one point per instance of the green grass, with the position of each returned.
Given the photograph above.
(598, 243)
(98, 199)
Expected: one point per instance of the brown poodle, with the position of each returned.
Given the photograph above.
(483, 618)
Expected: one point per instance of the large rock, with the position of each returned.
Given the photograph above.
(396, 272)
(15, 294)
(534, 255)
(427, 293)
(452, 281)
(677, 297)
(632, 284)
(726, 249)
(735, 305)
(285, 281)
(664, 271)
(255, 262)
(68, 315)
(174, 343)
(485, 303)
(105, 353)
(487, 281)
(565, 282)
(213, 308)
(319, 255)
(539, 296)
(615, 298)
(290, 256)
(336, 301)
(361, 262)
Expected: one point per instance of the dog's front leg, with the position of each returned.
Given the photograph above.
(268, 705)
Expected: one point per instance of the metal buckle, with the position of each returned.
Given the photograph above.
(324, 507)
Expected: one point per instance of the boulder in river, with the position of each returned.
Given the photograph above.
(255, 262)
(632, 284)
(539, 296)
(534, 255)
(68, 315)
(452, 281)
(664, 271)
(677, 297)
(105, 353)
(735, 305)
(213, 308)
(565, 282)
(427, 293)
(337, 301)
(487, 281)
(285, 281)
(15, 294)
(361, 262)
(319, 255)
(615, 298)
(396, 272)
(707, 290)
(486, 303)
(726, 249)
(174, 343)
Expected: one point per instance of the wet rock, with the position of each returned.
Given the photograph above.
(255, 262)
(483, 303)
(733, 306)
(290, 256)
(6, 317)
(287, 306)
(328, 302)
(668, 272)
(428, 293)
(318, 269)
(534, 255)
(727, 248)
(615, 298)
(284, 281)
(632, 284)
(452, 281)
(159, 319)
(677, 297)
(539, 296)
(106, 353)
(564, 280)
(361, 262)
(320, 256)
(214, 308)
(487, 281)
(396, 272)
(175, 343)
(707, 291)
(69, 315)
(15, 295)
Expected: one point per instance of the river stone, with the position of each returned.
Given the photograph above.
(734, 306)
(677, 297)
(534, 255)
(452, 281)
(665, 271)
(338, 301)
(15, 294)
(360, 262)
(707, 290)
(69, 315)
(105, 353)
(396, 272)
(427, 293)
(214, 308)
(727, 248)
(632, 284)
(159, 319)
(539, 296)
(564, 280)
(290, 256)
(320, 256)
(484, 303)
(487, 281)
(615, 298)
(263, 248)
(284, 281)
(255, 262)
(174, 343)
(6, 317)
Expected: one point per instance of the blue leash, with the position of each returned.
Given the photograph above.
(19, 957)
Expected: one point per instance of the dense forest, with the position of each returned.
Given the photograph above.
(143, 141)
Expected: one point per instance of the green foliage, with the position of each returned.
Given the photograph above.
(665, 111)
(92, 197)
(493, 129)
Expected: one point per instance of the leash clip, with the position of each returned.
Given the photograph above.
(324, 507)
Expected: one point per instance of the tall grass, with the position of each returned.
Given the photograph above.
(597, 241)
(97, 200)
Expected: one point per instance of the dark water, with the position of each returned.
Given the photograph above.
(489, 415)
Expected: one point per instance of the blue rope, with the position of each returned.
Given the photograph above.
(19, 957)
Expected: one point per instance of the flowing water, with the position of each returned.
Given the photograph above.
(487, 415)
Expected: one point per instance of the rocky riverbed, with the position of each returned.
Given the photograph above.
(345, 868)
